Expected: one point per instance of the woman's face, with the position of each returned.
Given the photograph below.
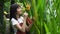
(19, 10)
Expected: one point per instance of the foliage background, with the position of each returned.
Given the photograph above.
(45, 12)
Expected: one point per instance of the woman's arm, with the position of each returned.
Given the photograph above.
(28, 27)
(23, 26)
(30, 23)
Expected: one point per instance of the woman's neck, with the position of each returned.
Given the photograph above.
(17, 16)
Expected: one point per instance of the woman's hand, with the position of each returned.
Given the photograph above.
(27, 28)
(25, 15)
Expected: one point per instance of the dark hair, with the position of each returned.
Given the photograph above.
(13, 10)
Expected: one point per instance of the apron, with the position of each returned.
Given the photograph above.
(19, 32)
(29, 21)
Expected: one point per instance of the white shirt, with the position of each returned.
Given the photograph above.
(14, 22)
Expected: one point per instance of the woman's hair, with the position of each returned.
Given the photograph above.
(13, 10)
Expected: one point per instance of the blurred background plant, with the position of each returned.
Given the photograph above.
(45, 12)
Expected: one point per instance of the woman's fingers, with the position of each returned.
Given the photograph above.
(25, 14)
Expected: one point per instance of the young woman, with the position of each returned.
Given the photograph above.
(18, 21)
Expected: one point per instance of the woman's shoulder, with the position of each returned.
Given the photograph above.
(13, 19)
